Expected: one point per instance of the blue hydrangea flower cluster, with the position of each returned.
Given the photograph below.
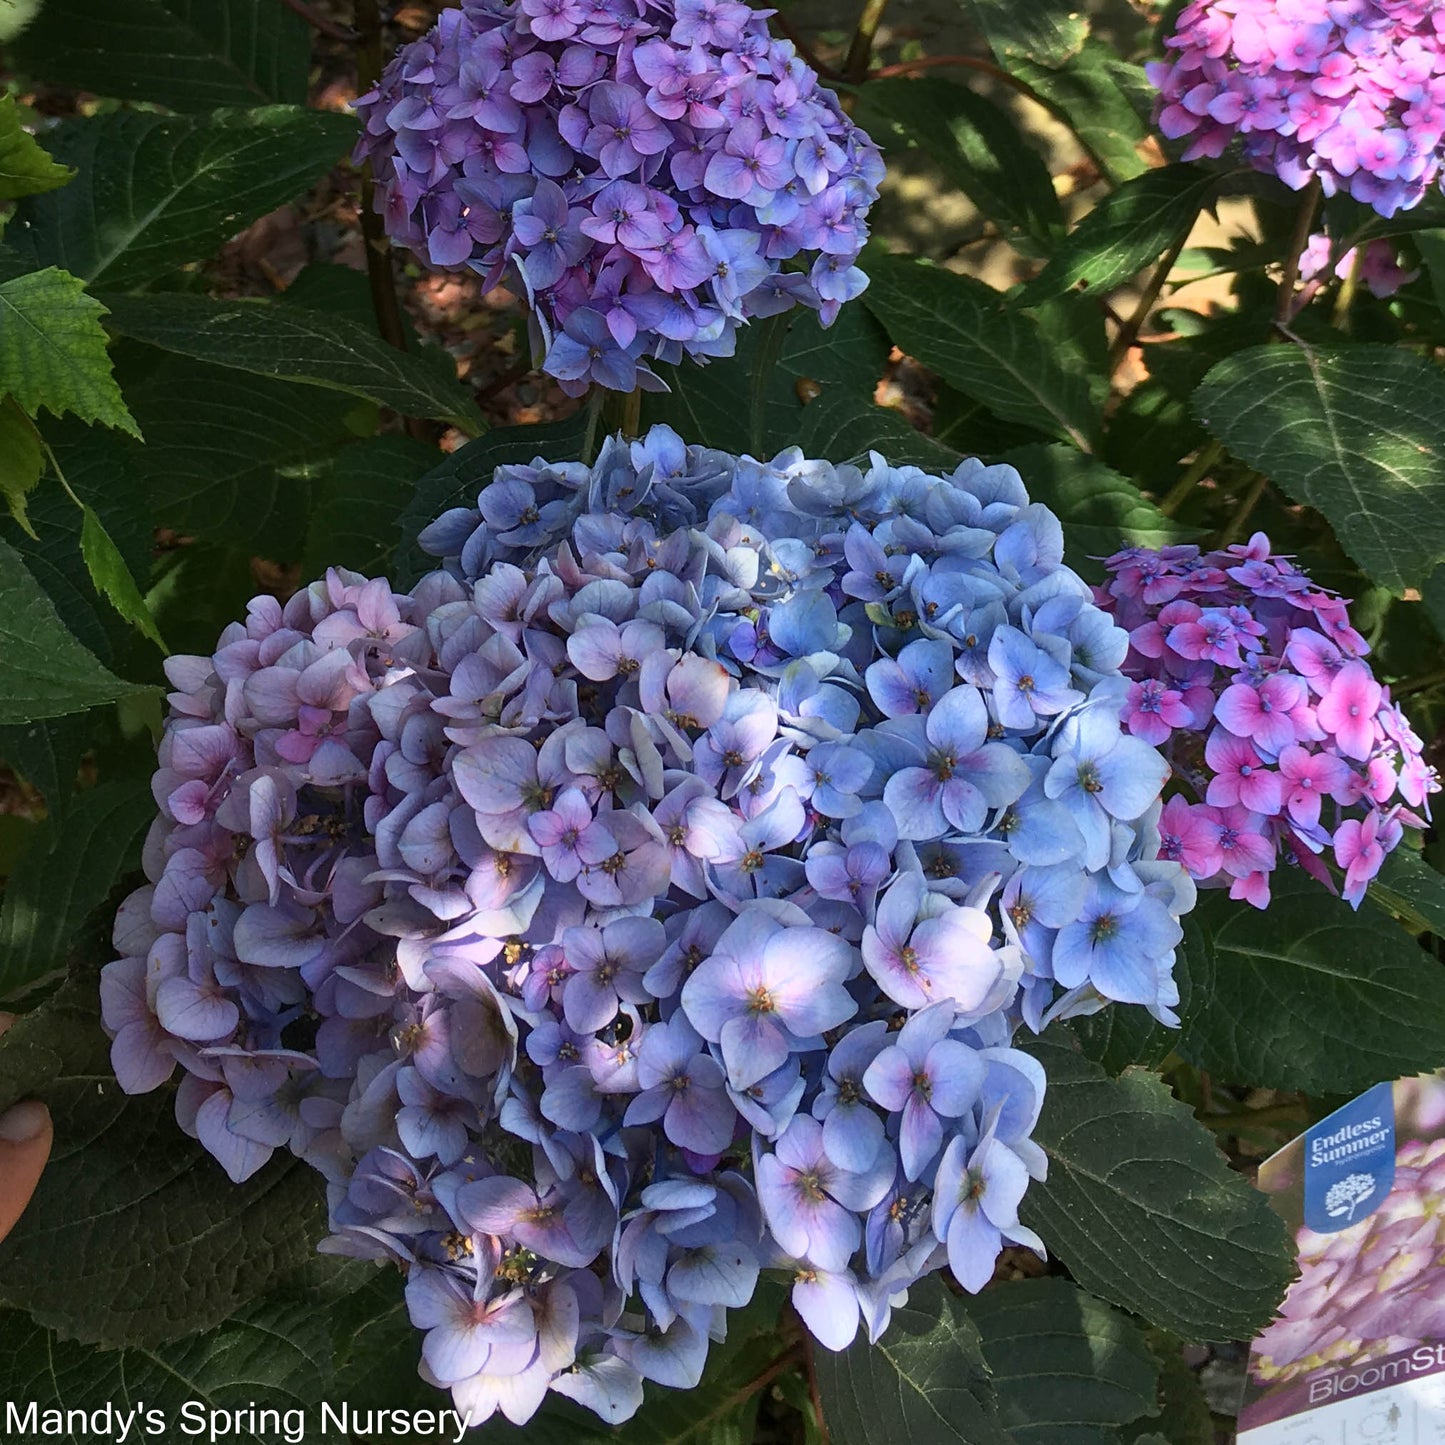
(1255, 683)
(1349, 91)
(651, 898)
(653, 173)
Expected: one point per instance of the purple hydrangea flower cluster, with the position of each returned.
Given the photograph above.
(1253, 681)
(650, 898)
(653, 173)
(1349, 91)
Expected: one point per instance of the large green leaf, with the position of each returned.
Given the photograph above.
(719, 404)
(1183, 1417)
(229, 455)
(357, 501)
(274, 1355)
(53, 350)
(68, 870)
(967, 333)
(841, 428)
(1412, 890)
(1309, 994)
(44, 671)
(47, 755)
(1067, 1368)
(186, 54)
(1127, 231)
(135, 1236)
(1047, 32)
(1144, 1209)
(22, 461)
(976, 147)
(26, 168)
(156, 192)
(290, 343)
(1102, 97)
(1100, 509)
(99, 468)
(1353, 431)
(925, 1382)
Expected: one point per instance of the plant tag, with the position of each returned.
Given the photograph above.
(1357, 1355)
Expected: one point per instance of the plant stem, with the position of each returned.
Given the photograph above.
(1417, 684)
(860, 52)
(1235, 525)
(1179, 492)
(789, 32)
(320, 22)
(1299, 239)
(1128, 333)
(810, 1372)
(384, 300)
(1273, 1117)
(621, 412)
(963, 62)
(1340, 316)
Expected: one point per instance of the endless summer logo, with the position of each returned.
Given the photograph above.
(1350, 1162)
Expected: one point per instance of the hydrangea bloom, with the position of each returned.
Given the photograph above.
(1254, 682)
(642, 168)
(1379, 264)
(1349, 91)
(651, 897)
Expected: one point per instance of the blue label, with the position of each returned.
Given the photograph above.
(1350, 1162)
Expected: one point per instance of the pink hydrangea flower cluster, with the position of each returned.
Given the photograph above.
(1349, 91)
(1253, 682)
(1378, 262)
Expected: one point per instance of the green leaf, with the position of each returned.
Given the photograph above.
(1067, 1368)
(155, 192)
(1047, 32)
(26, 168)
(975, 145)
(47, 755)
(185, 54)
(1183, 1417)
(272, 1355)
(46, 672)
(230, 456)
(1309, 994)
(1144, 1210)
(1100, 509)
(357, 501)
(53, 350)
(1103, 98)
(135, 1236)
(99, 468)
(1354, 432)
(289, 343)
(68, 871)
(926, 1379)
(1128, 230)
(112, 577)
(22, 460)
(841, 428)
(716, 405)
(1412, 890)
(967, 333)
